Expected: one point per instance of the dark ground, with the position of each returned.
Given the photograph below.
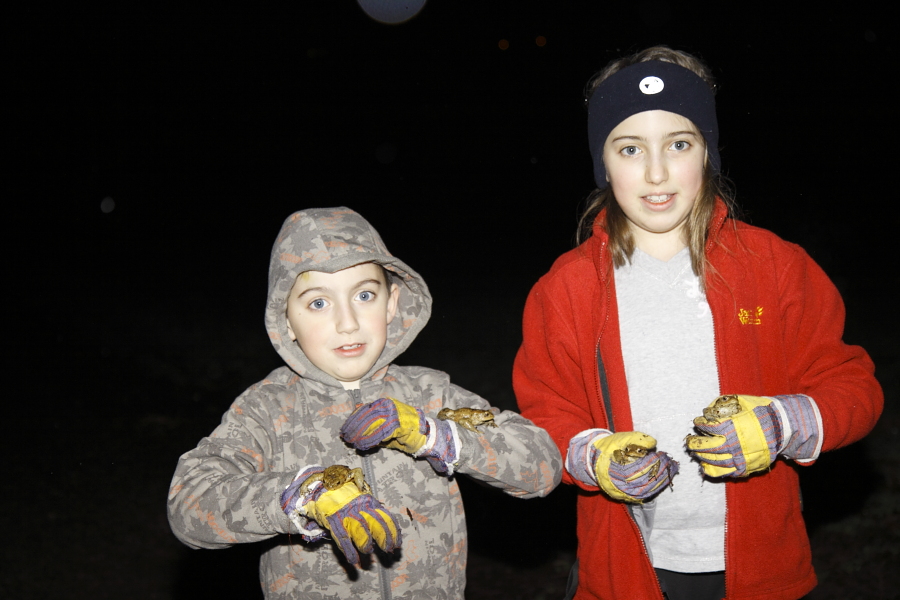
(134, 328)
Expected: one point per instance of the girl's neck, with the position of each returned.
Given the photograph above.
(660, 246)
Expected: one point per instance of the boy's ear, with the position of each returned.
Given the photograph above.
(393, 302)
(291, 333)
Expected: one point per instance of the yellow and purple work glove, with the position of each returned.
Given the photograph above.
(750, 440)
(394, 424)
(354, 518)
(592, 459)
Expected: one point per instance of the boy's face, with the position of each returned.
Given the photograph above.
(340, 319)
(654, 162)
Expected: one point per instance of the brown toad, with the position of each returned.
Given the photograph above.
(470, 418)
(722, 408)
(630, 453)
(336, 476)
(633, 452)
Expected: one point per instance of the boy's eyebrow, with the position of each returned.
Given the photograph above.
(320, 288)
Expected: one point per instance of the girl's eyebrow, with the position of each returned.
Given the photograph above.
(680, 133)
(666, 137)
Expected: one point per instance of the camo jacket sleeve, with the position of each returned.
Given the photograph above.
(517, 456)
(225, 491)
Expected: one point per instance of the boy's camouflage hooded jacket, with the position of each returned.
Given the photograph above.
(226, 491)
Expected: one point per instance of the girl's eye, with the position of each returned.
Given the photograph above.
(681, 145)
(366, 296)
(318, 304)
(630, 150)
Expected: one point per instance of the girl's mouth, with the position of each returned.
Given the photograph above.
(658, 199)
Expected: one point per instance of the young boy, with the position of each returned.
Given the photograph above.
(343, 446)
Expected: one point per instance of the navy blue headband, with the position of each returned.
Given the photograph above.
(651, 85)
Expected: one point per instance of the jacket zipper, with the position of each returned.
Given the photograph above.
(369, 474)
(712, 317)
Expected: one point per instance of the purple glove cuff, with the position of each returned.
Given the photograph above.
(582, 455)
(803, 424)
(443, 446)
(292, 504)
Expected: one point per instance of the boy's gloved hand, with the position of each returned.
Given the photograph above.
(622, 464)
(397, 425)
(749, 440)
(354, 518)
(403, 427)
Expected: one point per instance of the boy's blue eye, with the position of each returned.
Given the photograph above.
(317, 304)
(366, 296)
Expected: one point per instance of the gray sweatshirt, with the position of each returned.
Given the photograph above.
(666, 331)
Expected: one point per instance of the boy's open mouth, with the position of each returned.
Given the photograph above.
(350, 348)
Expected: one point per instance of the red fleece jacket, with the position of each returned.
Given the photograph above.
(778, 324)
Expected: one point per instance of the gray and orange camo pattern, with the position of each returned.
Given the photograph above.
(226, 491)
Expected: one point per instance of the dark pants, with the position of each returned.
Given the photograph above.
(692, 586)
(675, 586)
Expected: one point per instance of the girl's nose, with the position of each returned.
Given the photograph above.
(657, 170)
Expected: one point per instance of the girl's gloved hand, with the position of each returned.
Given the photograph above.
(750, 439)
(622, 464)
(398, 425)
(355, 518)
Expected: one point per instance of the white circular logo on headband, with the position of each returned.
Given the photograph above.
(651, 85)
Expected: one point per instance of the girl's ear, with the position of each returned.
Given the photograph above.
(393, 302)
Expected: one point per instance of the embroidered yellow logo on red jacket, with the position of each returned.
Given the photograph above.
(750, 317)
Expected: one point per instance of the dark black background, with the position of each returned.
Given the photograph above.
(206, 126)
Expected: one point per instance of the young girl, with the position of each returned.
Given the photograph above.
(666, 304)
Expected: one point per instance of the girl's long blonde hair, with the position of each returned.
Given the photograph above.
(715, 185)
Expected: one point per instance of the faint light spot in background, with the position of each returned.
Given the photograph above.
(503, 44)
(540, 41)
(870, 36)
(391, 12)
(107, 205)
(386, 152)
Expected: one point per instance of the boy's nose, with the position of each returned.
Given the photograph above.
(346, 320)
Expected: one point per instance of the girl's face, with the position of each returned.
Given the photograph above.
(654, 163)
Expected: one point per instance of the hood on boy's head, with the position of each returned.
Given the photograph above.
(330, 240)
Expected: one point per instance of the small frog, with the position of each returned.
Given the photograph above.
(336, 476)
(633, 452)
(470, 418)
(722, 408)
(629, 454)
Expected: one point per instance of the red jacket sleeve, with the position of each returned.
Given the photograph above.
(839, 377)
